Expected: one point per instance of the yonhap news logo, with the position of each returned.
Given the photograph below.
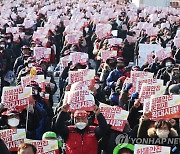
(124, 138)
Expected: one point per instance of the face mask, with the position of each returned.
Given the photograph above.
(2, 46)
(162, 133)
(8, 41)
(80, 125)
(168, 64)
(96, 86)
(35, 92)
(120, 66)
(13, 122)
(86, 29)
(30, 65)
(112, 64)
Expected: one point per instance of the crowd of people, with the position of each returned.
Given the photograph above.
(89, 27)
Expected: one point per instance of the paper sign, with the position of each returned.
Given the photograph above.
(177, 42)
(147, 90)
(45, 146)
(164, 106)
(79, 57)
(163, 53)
(81, 75)
(152, 81)
(25, 81)
(16, 97)
(106, 54)
(114, 41)
(151, 149)
(72, 38)
(82, 85)
(13, 138)
(80, 100)
(145, 50)
(133, 79)
(12, 30)
(42, 52)
(114, 116)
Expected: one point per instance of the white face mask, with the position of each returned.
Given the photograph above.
(13, 122)
(81, 125)
(168, 64)
(30, 65)
(96, 86)
(162, 133)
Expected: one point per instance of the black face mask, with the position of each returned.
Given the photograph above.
(120, 66)
(112, 64)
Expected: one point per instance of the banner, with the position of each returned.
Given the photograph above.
(134, 75)
(115, 116)
(81, 75)
(42, 52)
(147, 90)
(151, 81)
(25, 81)
(79, 57)
(45, 146)
(163, 53)
(16, 97)
(115, 41)
(151, 149)
(80, 100)
(64, 62)
(164, 106)
(106, 54)
(12, 138)
(72, 38)
(146, 51)
(82, 85)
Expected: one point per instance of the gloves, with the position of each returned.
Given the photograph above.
(133, 97)
(128, 86)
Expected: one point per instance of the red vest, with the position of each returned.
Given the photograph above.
(82, 144)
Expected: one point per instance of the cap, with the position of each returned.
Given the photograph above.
(121, 146)
(10, 112)
(135, 68)
(34, 83)
(120, 59)
(49, 135)
(25, 47)
(80, 113)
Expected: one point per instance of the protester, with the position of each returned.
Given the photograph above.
(72, 134)
(116, 55)
(26, 148)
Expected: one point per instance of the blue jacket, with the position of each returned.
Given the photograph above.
(113, 77)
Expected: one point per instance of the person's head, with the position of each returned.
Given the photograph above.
(124, 148)
(26, 50)
(78, 66)
(174, 89)
(43, 64)
(120, 63)
(2, 44)
(51, 136)
(80, 119)
(111, 62)
(26, 148)
(12, 118)
(169, 62)
(162, 128)
(35, 89)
